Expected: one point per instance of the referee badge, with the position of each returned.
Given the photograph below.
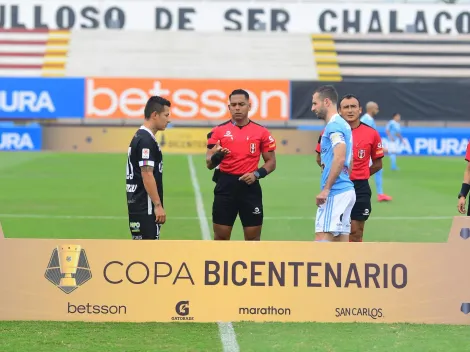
(361, 153)
(252, 148)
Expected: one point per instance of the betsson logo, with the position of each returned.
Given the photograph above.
(191, 99)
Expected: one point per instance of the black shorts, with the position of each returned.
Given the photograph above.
(233, 197)
(144, 227)
(363, 206)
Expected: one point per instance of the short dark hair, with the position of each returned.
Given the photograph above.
(329, 92)
(395, 114)
(348, 96)
(240, 92)
(155, 104)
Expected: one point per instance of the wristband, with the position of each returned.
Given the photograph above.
(464, 190)
(216, 159)
(261, 172)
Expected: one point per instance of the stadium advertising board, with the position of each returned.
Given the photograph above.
(413, 100)
(234, 16)
(27, 138)
(431, 141)
(211, 281)
(177, 140)
(111, 98)
(427, 141)
(41, 98)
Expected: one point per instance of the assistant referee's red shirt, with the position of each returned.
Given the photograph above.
(367, 145)
(467, 154)
(245, 143)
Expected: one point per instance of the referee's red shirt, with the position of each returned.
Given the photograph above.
(245, 143)
(367, 145)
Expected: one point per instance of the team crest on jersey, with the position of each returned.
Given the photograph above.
(252, 148)
(361, 153)
(145, 153)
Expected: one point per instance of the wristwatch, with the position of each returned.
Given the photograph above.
(256, 173)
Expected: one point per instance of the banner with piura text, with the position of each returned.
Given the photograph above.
(211, 281)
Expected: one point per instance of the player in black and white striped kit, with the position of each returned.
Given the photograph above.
(144, 173)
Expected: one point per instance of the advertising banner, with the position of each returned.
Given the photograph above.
(413, 100)
(212, 281)
(28, 138)
(41, 98)
(191, 99)
(418, 141)
(290, 17)
(430, 141)
(177, 140)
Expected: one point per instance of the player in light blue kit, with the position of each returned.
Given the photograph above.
(393, 130)
(337, 196)
(368, 118)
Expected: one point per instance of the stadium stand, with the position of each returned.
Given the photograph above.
(342, 57)
(33, 52)
(257, 56)
(190, 55)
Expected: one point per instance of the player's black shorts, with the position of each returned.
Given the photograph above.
(233, 197)
(363, 206)
(144, 227)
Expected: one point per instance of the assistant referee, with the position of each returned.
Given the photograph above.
(235, 148)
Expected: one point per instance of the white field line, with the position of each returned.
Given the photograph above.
(226, 331)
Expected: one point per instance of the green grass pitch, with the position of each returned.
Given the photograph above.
(56, 195)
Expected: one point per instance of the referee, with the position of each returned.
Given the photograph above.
(144, 173)
(465, 185)
(235, 148)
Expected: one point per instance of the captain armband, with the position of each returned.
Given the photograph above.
(336, 138)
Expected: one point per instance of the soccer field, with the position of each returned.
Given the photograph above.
(55, 195)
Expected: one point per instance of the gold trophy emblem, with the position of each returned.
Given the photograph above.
(68, 267)
(68, 262)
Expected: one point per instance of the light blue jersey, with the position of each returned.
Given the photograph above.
(393, 127)
(368, 120)
(337, 131)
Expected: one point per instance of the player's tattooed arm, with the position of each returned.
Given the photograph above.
(150, 184)
(146, 168)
